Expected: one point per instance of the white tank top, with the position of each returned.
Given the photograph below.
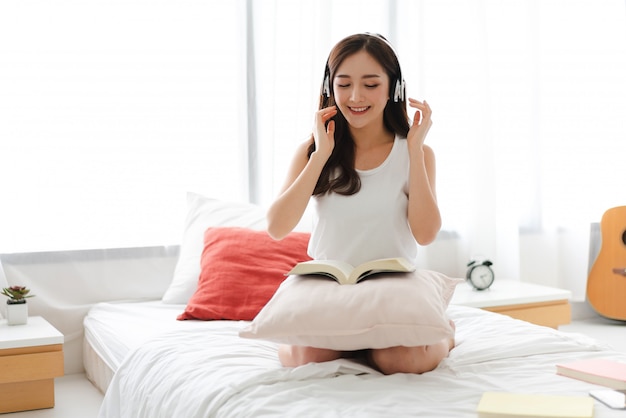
(371, 224)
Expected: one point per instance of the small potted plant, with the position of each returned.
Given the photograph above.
(17, 310)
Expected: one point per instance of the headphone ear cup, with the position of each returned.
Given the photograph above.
(326, 86)
(398, 94)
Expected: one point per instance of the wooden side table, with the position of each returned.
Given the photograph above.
(31, 356)
(541, 305)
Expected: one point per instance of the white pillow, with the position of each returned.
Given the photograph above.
(202, 213)
(405, 309)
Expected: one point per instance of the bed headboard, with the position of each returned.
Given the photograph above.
(66, 284)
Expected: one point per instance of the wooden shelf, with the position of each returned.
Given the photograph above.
(31, 356)
(541, 305)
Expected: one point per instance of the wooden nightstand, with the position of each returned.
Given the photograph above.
(31, 356)
(541, 305)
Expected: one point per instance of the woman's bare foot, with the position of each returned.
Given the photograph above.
(293, 356)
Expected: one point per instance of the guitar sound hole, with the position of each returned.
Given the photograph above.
(624, 238)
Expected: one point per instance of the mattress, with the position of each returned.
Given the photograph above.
(161, 367)
(113, 329)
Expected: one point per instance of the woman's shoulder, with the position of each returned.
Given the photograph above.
(302, 150)
(304, 145)
(429, 158)
(428, 155)
(428, 151)
(301, 153)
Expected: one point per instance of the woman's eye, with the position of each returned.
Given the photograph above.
(369, 86)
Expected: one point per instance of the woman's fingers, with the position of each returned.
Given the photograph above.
(423, 110)
(324, 130)
(325, 114)
(330, 129)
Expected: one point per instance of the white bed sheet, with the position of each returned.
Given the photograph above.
(113, 329)
(203, 369)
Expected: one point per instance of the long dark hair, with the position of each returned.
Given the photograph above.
(339, 174)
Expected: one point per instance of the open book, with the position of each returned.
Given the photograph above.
(344, 273)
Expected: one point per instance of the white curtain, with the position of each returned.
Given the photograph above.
(111, 110)
(528, 100)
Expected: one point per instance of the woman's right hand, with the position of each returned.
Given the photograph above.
(324, 135)
(288, 208)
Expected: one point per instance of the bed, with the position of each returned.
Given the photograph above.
(151, 365)
(184, 355)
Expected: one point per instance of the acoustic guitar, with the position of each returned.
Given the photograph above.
(606, 284)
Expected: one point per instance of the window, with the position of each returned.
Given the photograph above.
(109, 112)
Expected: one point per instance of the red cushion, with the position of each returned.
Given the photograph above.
(240, 271)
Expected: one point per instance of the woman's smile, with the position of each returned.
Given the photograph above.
(358, 110)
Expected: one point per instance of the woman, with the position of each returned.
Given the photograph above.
(372, 180)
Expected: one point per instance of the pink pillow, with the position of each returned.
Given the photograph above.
(240, 271)
(402, 309)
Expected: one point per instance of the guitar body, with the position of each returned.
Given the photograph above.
(606, 284)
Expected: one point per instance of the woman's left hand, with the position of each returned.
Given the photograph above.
(421, 123)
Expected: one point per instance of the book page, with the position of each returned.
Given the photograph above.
(335, 269)
(379, 266)
(344, 273)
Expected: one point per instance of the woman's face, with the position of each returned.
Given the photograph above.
(361, 88)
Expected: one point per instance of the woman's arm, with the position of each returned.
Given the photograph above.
(423, 212)
(287, 210)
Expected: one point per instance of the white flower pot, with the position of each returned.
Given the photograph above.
(17, 313)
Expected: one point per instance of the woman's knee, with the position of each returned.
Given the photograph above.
(416, 360)
(398, 360)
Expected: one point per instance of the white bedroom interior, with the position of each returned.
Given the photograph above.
(111, 111)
